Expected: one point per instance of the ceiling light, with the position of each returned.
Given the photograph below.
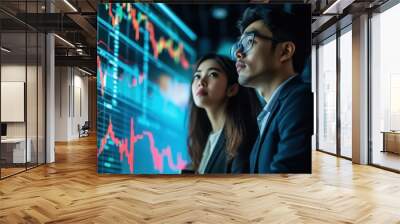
(328, 10)
(70, 5)
(84, 71)
(337, 7)
(5, 50)
(65, 41)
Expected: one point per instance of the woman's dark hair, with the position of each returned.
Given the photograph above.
(240, 127)
(287, 23)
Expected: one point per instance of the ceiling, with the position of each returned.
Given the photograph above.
(79, 27)
(76, 26)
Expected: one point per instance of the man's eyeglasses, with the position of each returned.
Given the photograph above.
(246, 42)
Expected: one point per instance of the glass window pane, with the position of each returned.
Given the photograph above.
(327, 96)
(385, 84)
(23, 84)
(346, 94)
(31, 97)
(14, 151)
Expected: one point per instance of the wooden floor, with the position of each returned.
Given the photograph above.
(5, 172)
(70, 191)
(10, 171)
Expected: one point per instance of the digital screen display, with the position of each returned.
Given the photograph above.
(143, 88)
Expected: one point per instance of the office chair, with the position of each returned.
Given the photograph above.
(84, 130)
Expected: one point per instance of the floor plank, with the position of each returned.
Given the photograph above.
(70, 191)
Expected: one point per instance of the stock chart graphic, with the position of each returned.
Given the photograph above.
(144, 53)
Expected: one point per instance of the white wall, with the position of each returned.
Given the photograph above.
(16, 73)
(12, 73)
(80, 100)
(71, 94)
(61, 103)
(33, 126)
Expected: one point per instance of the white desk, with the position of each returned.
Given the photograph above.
(18, 149)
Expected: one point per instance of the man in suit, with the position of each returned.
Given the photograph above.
(270, 57)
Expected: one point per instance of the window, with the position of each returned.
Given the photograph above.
(385, 87)
(327, 96)
(346, 93)
(22, 74)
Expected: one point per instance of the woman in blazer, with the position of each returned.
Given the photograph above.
(223, 114)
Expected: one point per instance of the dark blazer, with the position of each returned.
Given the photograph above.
(285, 144)
(218, 162)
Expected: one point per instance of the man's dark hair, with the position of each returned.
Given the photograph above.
(286, 24)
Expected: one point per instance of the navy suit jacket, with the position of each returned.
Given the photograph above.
(284, 146)
(218, 162)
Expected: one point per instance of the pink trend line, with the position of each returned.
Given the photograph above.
(158, 158)
(128, 152)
